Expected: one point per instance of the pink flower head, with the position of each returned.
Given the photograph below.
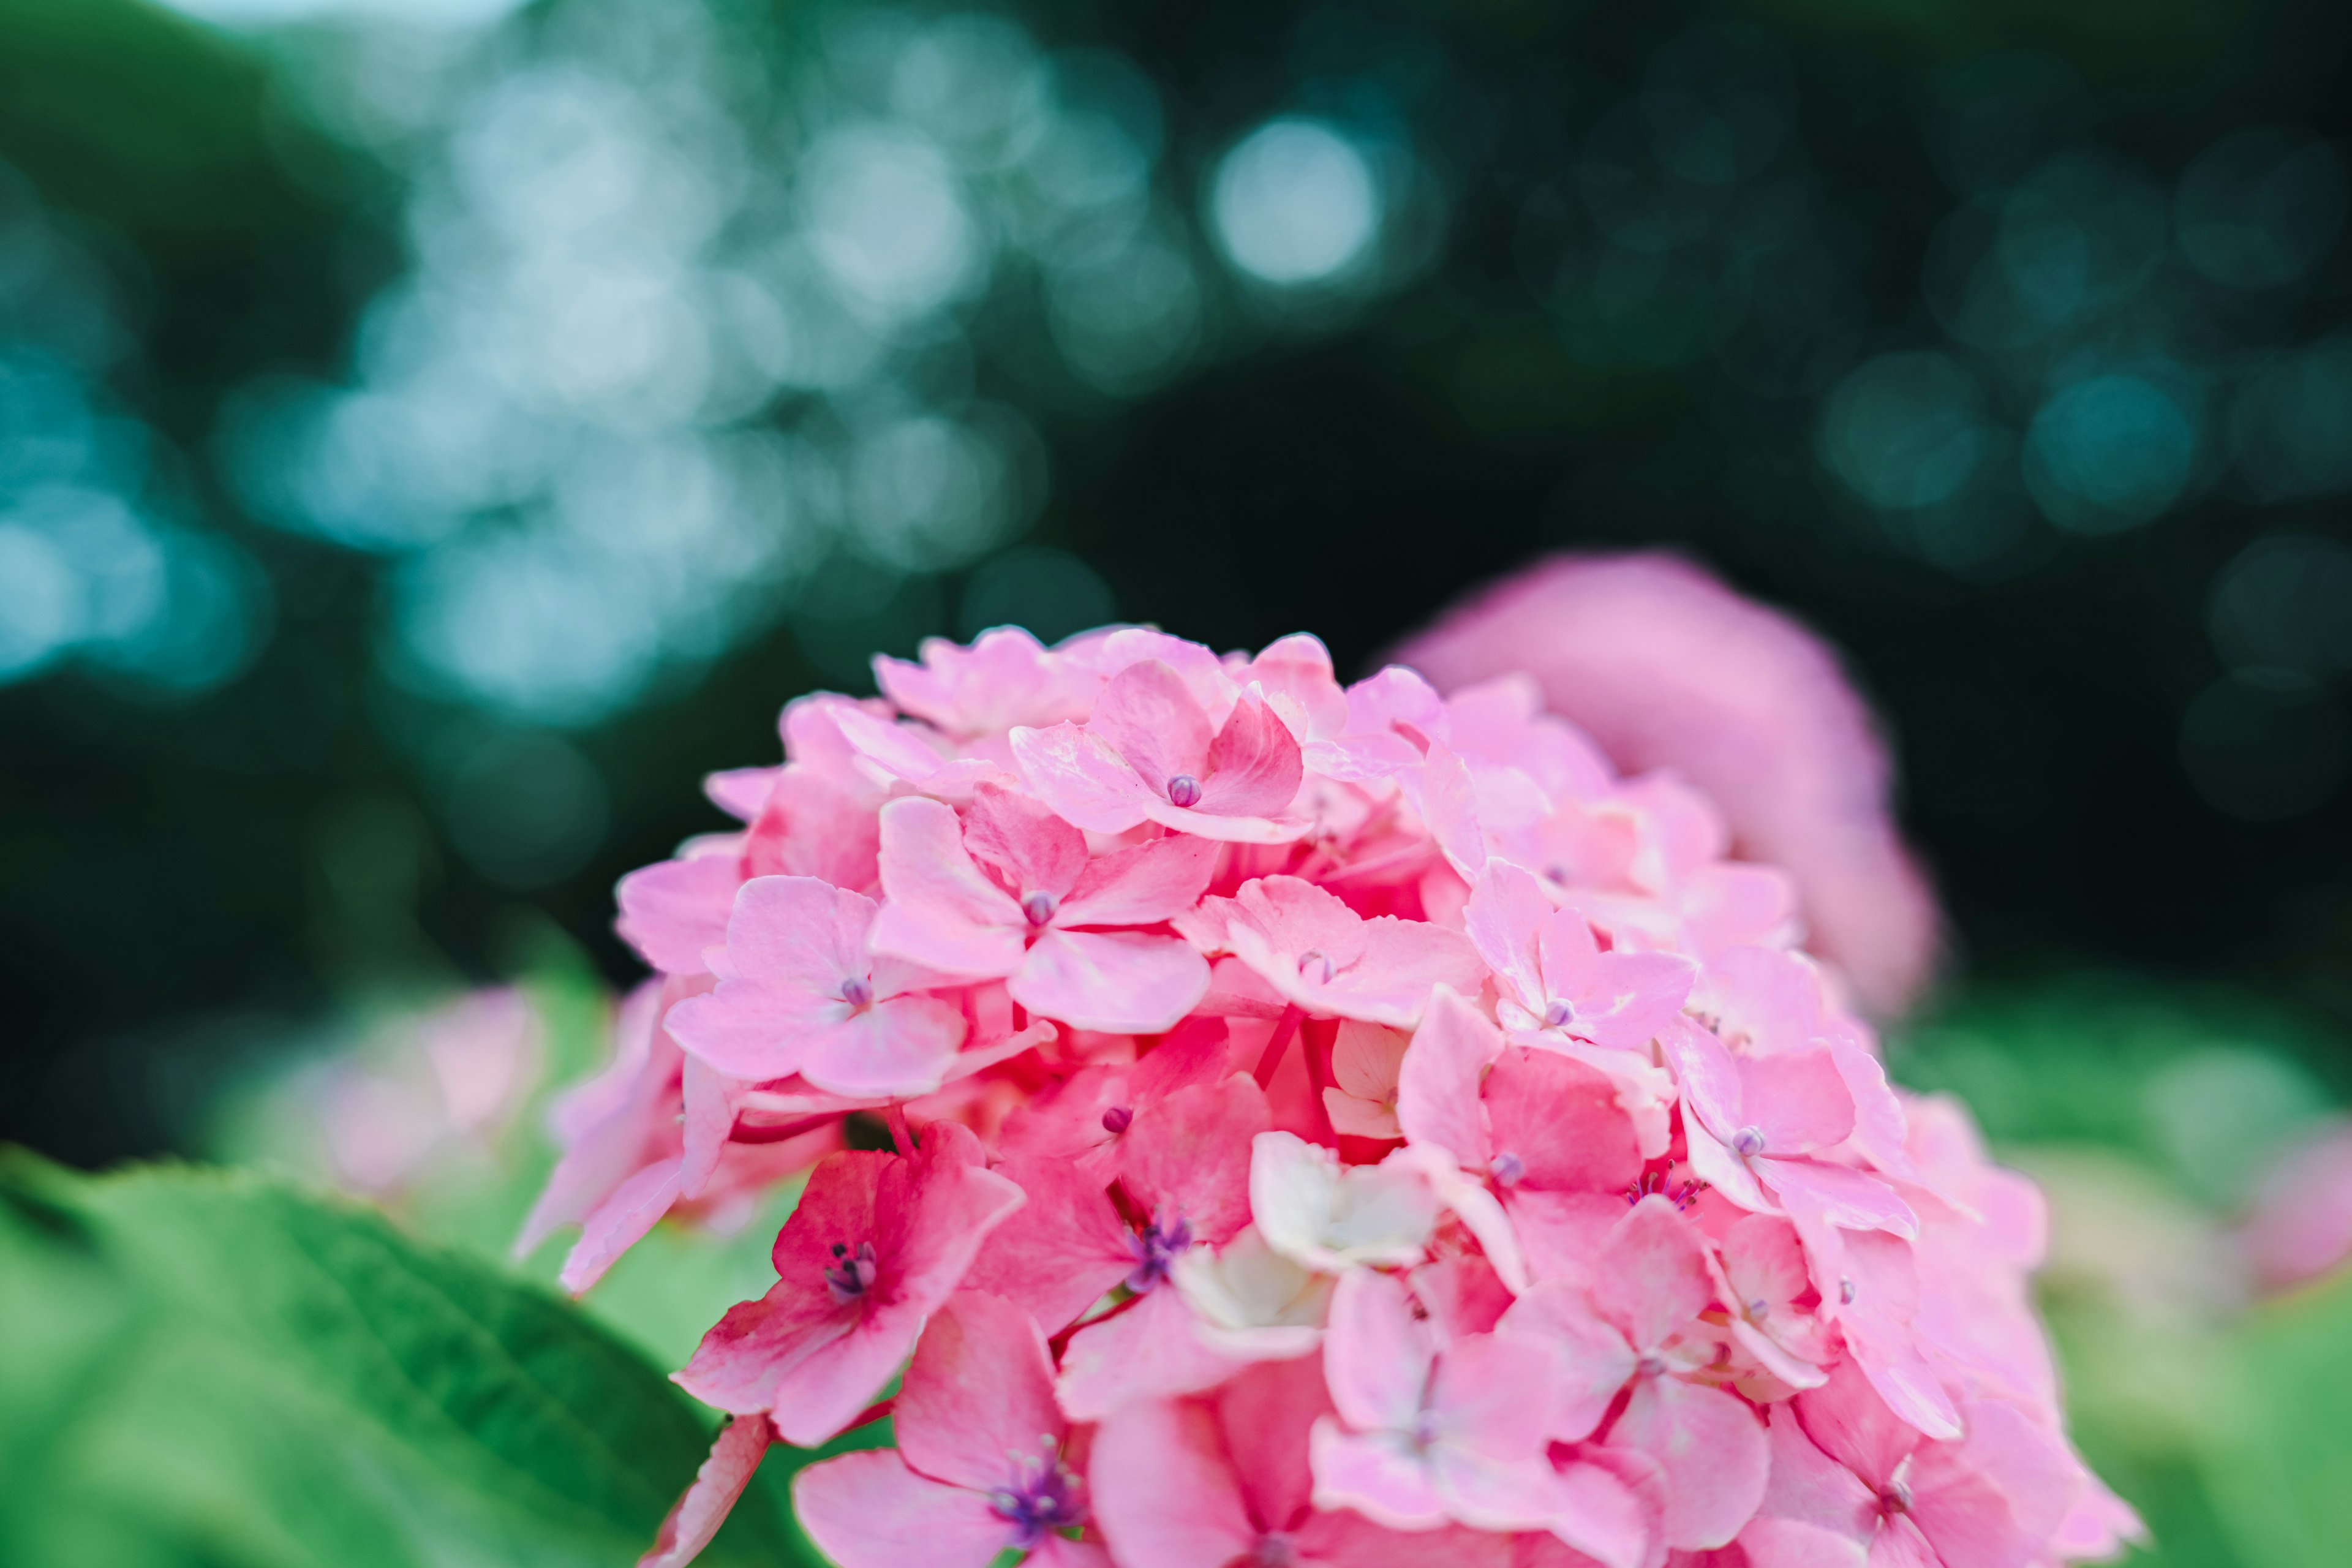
(1009, 892)
(798, 993)
(1148, 753)
(1666, 667)
(1005, 677)
(2301, 1227)
(1636, 1326)
(1851, 1483)
(1428, 1433)
(1554, 977)
(1329, 962)
(876, 1244)
(980, 1467)
(1222, 1479)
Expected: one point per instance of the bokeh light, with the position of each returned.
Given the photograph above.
(1295, 201)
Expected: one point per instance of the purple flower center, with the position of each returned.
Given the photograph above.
(1760, 1308)
(1040, 1498)
(1846, 1291)
(1039, 907)
(1156, 1249)
(1654, 1184)
(1275, 1549)
(1651, 1365)
(1183, 790)
(1558, 1013)
(858, 991)
(1748, 1143)
(852, 1274)
(1508, 1169)
(1119, 1118)
(1315, 958)
(1896, 1498)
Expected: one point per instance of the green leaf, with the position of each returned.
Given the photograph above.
(2281, 1470)
(208, 1367)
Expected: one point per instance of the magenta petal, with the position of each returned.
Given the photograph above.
(1078, 774)
(981, 1390)
(695, 1519)
(1713, 1449)
(1120, 982)
(1163, 1488)
(670, 912)
(867, 1510)
(1253, 764)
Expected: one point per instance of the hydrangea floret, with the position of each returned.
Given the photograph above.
(1325, 1124)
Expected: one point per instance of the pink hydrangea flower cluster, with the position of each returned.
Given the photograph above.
(1344, 1125)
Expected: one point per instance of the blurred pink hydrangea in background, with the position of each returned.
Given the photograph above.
(1344, 1124)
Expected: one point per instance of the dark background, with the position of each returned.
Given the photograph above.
(185, 875)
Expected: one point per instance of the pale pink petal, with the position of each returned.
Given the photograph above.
(867, 1510)
(1798, 1101)
(1163, 1490)
(671, 912)
(1379, 1474)
(696, 1517)
(1815, 1510)
(1713, 1448)
(1082, 778)
(1595, 1361)
(1849, 1199)
(1652, 1277)
(740, 793)
(1020, 837)
(1623, 999)
(943, 912)
(1612, 1507)
(1560, 1120)
(811, 827)
(798, 934)
(1142, 886)
(980, 1389)
(901, 748)
(619, 1223)
(1151, 1351)
(1438, 1080)
(1488, 1493)
(1993, 1498)
(709, 1105)
(1847, 1420)
(1376, 1357)
(1151, 717)
(1128, 983)
(1497, 1393)
(1253, 766)
(750, 1032)
(1446, 797)
(893, 1049)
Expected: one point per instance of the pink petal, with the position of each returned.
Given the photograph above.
(1595, 1361)
(981, 1390)
(696, 1517)
(1082, 778)
(1142, 886)
(1254, 765)
(867, 1510)
(1380, 1475)
(812, 827)
(1652, 1277)
(1707, 1075)
(1442, 792)
(1799, 1102)
(1437, 1094)
(1152, 1350)
(943, 912)
(1163, 1490)
(1609, 1512)
(893, 1049)
(1497, 1393)
(1020, 837)
(1188, 1157)
(740, 793)
(1376, 1357)
(903, 749)
(619, 1223)
(1267, 1412)
(1815, 1510)
(1713, 1449)
(1127, 982)
(1623, 999)
(1149, 716)
(1847, 1420)
(1489, 1493)
(1996, 1497)
(798, 935)
(671, 912)
(709, 1103)
(1879, 1130)
(1849, 1199)
(1061, 1249)
(1561, 1120)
